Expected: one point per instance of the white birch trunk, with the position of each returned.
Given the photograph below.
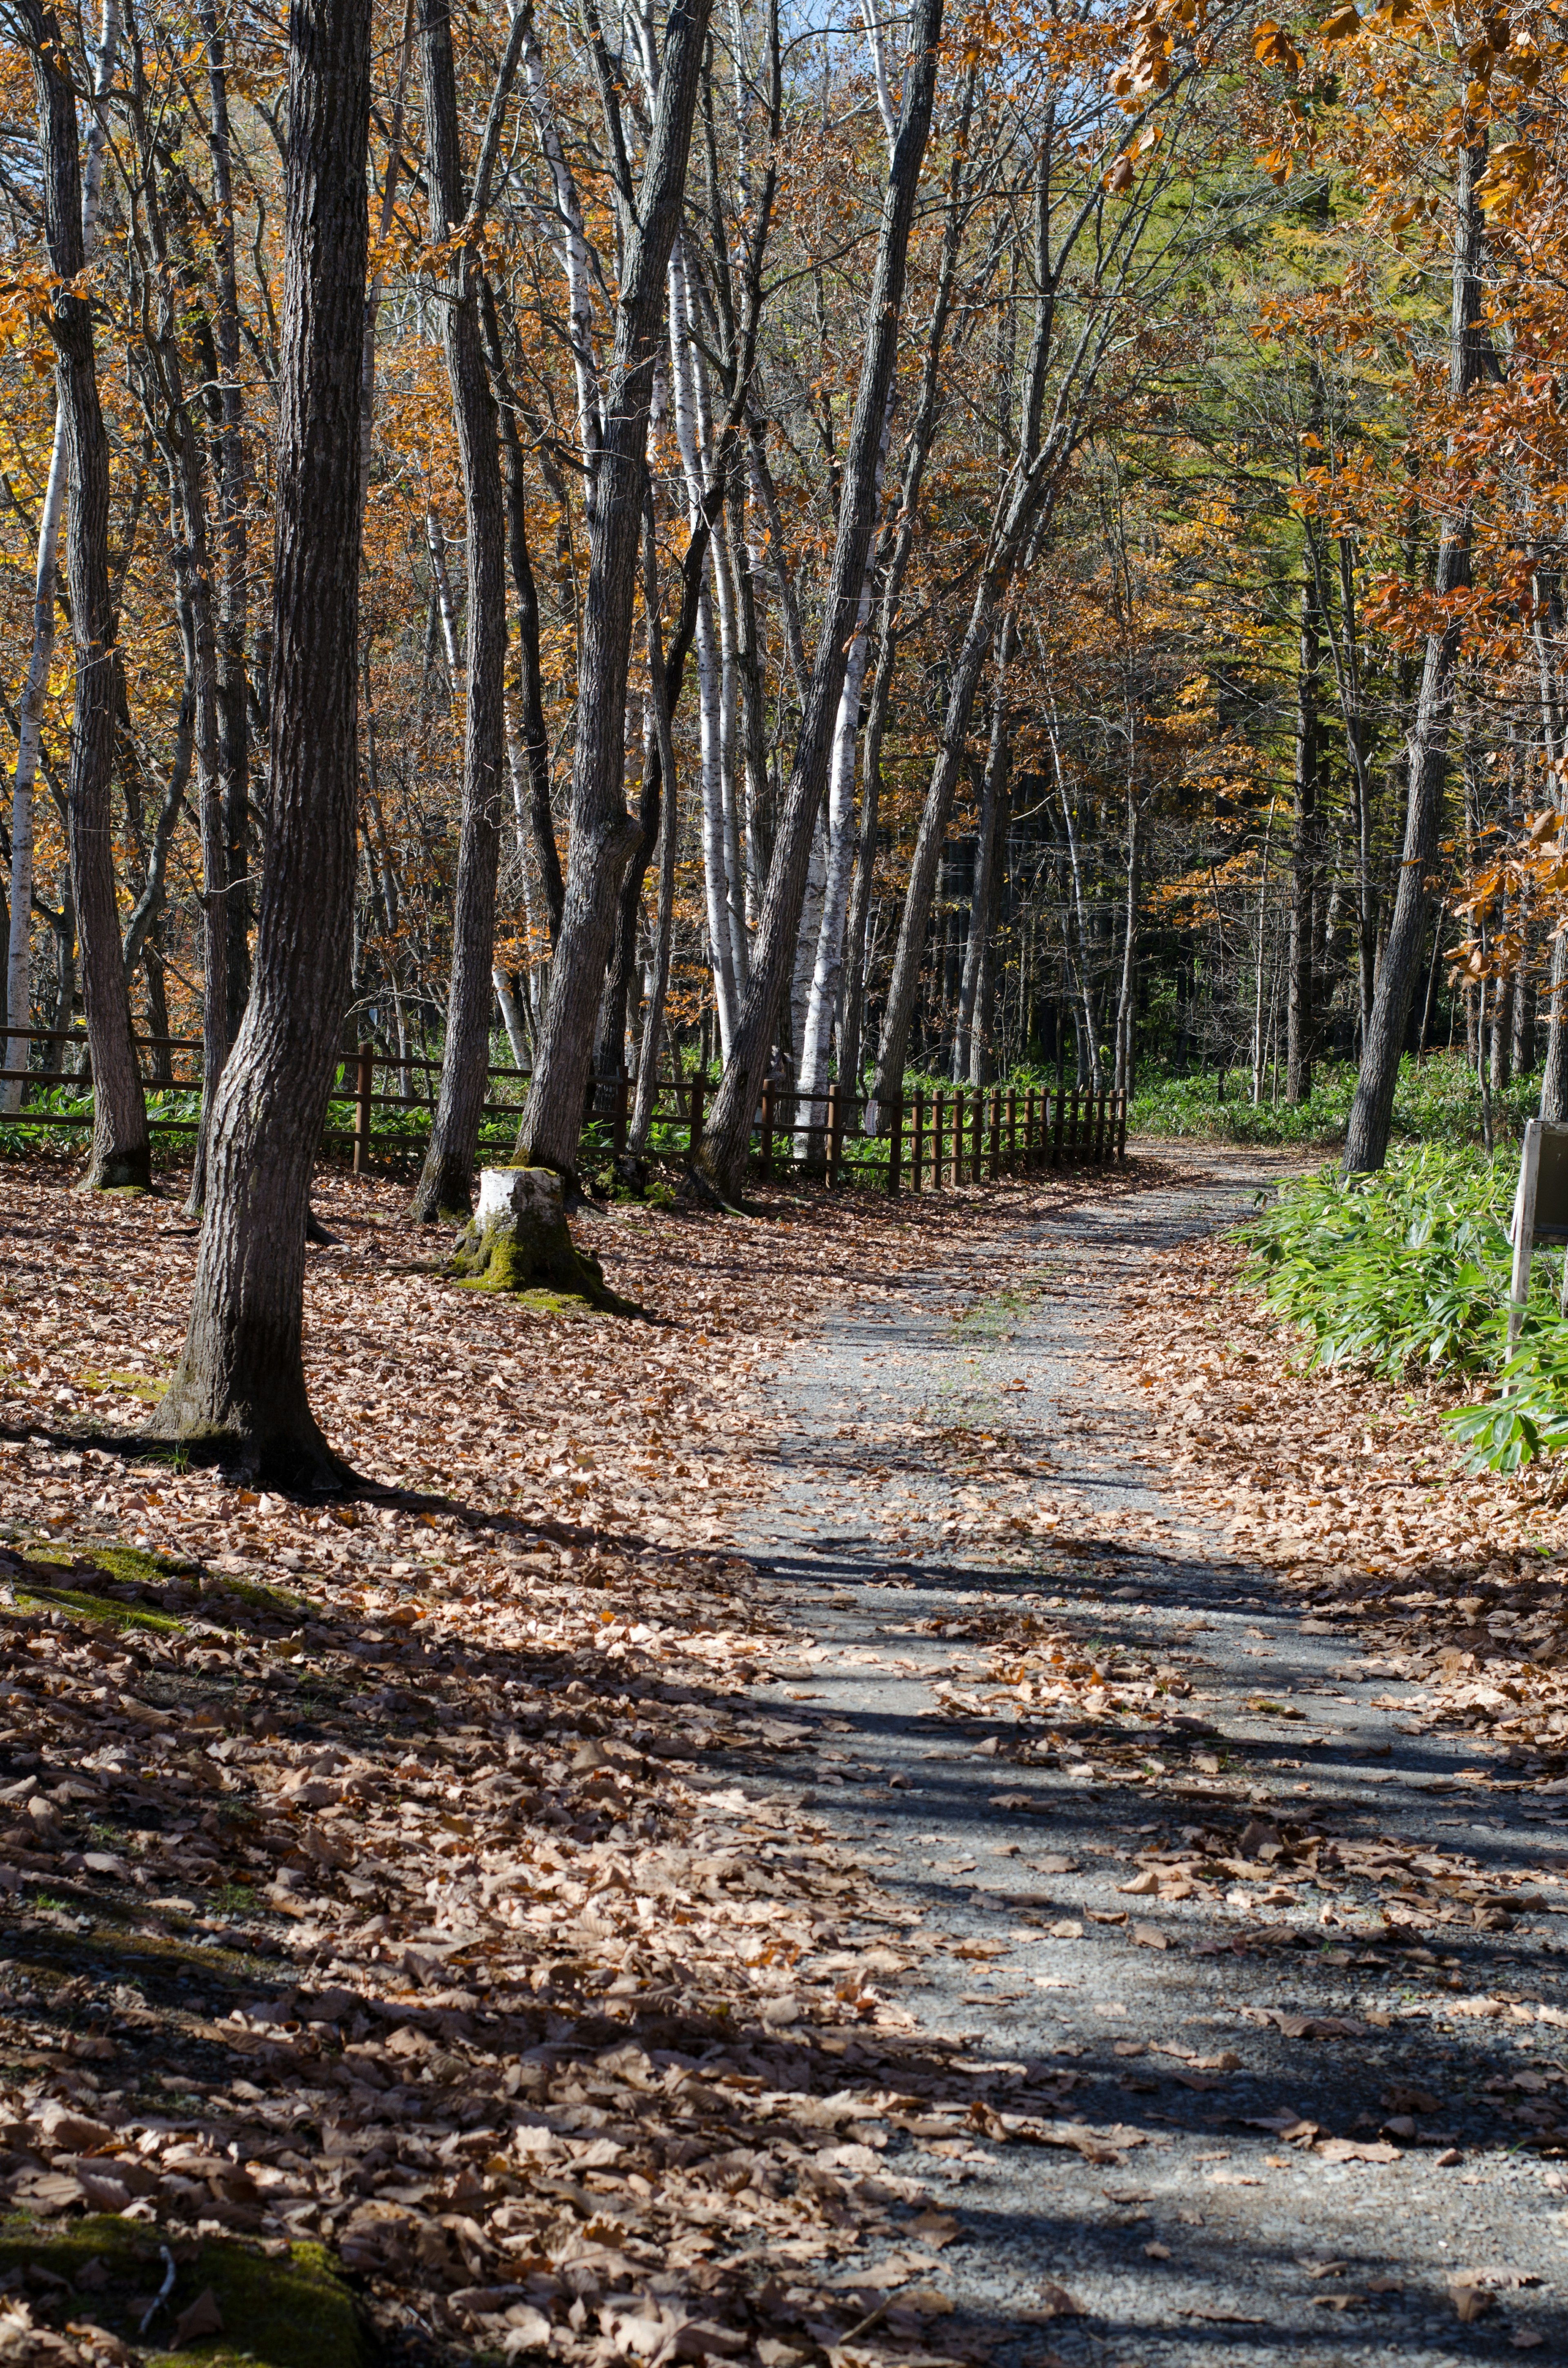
(18, 966)
(822, 1002)
(685, 370)
(570, 238)
(811, 928)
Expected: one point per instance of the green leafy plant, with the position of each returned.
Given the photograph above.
(1411, 1270)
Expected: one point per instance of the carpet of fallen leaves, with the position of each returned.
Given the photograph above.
(1347, 1486)
(380, 1874)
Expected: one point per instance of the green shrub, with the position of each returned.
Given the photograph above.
(1437, 1102)
(1409, 1271)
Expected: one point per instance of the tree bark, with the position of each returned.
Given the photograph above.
(225, 409)
(916, 450)
(239, 1387)
(18, 949)
(119, 1155)
(1303, 853)
(535, 738)
(1371, 1113)
(727, 1142)
(603, 833)
(971, 1050)
(444, 1189)
(18, 988)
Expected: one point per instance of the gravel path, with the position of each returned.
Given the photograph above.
(1203, 2231)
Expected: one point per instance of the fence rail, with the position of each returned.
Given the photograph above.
(928, 1141)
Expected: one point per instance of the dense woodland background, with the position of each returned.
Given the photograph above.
(1226, 396)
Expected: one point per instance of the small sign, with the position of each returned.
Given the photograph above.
(1541, 1207)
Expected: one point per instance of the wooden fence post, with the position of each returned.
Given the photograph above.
(364, 1087)
(939, 1138)
(1012, 1129)
(1099, 1154)
(1072, 1130)
(977, 1153)
(957, 1138)
(995, 1132)
(766, 1160)
(920, 1143)
(698, 1085)
(895, 1146)
(1056, 1136)
(834, 1132)
(1029, 1128)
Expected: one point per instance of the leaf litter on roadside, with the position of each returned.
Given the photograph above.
(380, 1874)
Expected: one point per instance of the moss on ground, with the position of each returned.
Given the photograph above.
(97, 1609)
(279, 2310)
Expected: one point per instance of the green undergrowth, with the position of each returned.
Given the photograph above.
(1408, 1273)
(1437, 1100)
(282, 2310)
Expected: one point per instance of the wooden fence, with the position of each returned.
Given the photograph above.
(928, 1141)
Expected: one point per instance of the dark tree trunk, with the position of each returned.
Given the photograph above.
(727, 1142)
(603, 834)
(1371, 1113)
(916, 450)
(119, 1155)
(240, 1384)
(535, 740)
(446, 1182)
(1303, 854)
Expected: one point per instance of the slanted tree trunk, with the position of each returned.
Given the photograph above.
(727, 1142)
(444, 1189)
(1470, 354)
(239, 1387)
(119, 1153)
(917, 447)
(603, 834)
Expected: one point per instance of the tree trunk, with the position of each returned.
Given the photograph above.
(444, 1189)
(240, 1384)
(225, 407)
(18, 967)
(1122, 1079)
(668, 823)
(603, 833)
(534, 737)
(812, 1058)
(969, 1052)
(1371, 1114)
(727, 1141)
(1303, 854)
(119, 1155)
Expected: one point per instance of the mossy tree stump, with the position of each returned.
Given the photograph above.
(518, 1242)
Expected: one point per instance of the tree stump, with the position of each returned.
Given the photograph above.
(519, 1242)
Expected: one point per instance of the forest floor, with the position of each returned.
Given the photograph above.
(932, 1800)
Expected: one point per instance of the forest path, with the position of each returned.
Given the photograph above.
(1184, 2215)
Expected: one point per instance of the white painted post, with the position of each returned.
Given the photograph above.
(1523, 1230)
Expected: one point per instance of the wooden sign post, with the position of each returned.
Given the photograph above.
(1540, 1209)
